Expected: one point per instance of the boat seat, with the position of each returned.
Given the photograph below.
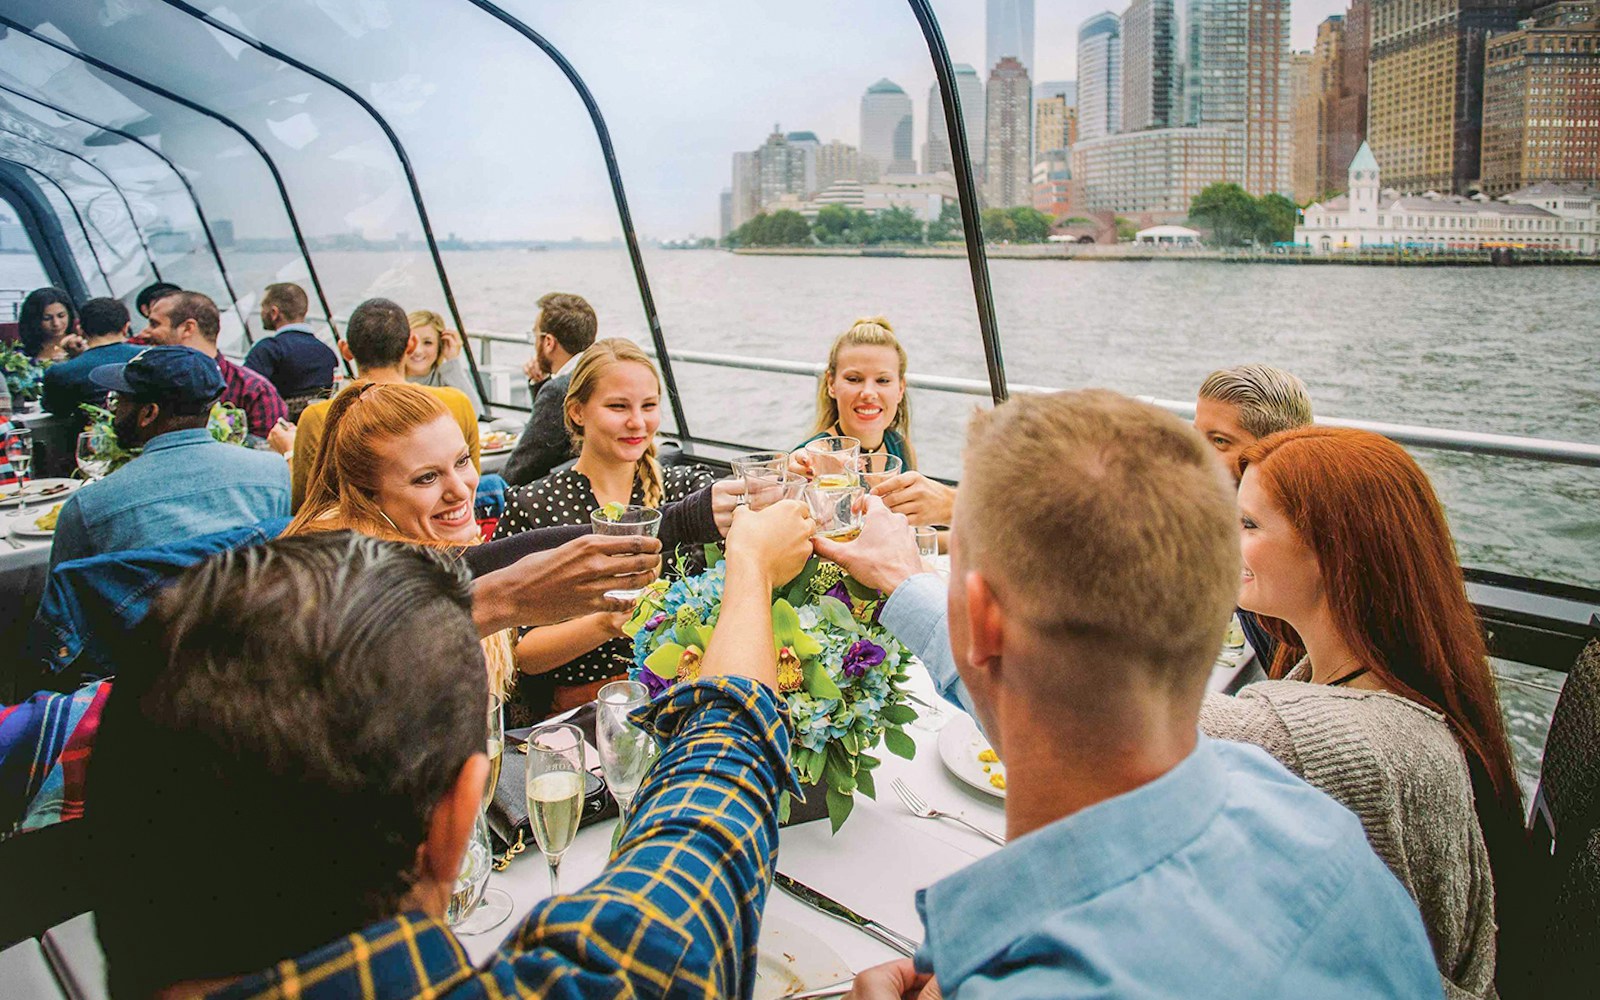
(1565, 834)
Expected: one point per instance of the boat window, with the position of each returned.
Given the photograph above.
(20, 268)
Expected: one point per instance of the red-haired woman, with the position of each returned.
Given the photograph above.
(1382, 694)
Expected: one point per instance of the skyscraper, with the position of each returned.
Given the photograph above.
(746, 189)
(1237, 74)
(936, 154)
(1425, 97)
(839, 161)
(1345, 116)
(1010, 33)
(1050, 125)
(1541, 100)
(808, 144)
(1008, 170)
(1099, 76)
(782, 167)
(1306, 73)
(886, 127)
(1150, 71)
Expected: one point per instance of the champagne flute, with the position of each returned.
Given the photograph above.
(835, 460)
(493, 905)
(626, 751)
(556, 773)
(471, 879)
(19, 453)
(630, 520)
(90, 463)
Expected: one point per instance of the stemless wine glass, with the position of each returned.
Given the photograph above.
(472, 878)
(837, 509)
(626, 751)
(493, 905)
(556, 771)
(834, 460)
(90, 462)
(632, 520)
(19, 453)
(927, 538)
(878, 468)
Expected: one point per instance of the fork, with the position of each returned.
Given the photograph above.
(920, 808)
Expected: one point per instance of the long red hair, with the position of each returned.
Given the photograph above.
(1395, 589)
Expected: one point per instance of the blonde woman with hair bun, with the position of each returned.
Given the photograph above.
(613, 410)
(435, 357)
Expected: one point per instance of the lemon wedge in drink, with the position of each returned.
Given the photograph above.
(613, 511)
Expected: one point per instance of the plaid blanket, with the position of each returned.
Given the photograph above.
(45, 743)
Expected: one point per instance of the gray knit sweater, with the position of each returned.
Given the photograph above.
(1398, 767)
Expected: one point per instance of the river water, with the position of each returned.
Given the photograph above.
(1510, 350)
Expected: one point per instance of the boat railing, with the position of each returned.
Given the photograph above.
(11, 303)
(1435, 438)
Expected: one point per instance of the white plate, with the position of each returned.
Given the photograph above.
(27, 530)
(792, 960)
(959, 746)
(34, 492)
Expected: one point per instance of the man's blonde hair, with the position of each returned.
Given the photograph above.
(1105, 525)
(1268, 399)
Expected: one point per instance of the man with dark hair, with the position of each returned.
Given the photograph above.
(377, 339)
(189, 319)
(66, 384)
(149, 293)
(297, 364)
(565, 328)
(184, 482)
(316, 705)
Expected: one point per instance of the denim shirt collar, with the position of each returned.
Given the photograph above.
(177, 439)
(977, 913)
(295, 328)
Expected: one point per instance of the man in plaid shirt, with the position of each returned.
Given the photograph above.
(189, 319)
(287, 787)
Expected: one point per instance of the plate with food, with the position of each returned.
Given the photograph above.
(498, 442)
(43, 526)
(970, 757)
(792, 960)
(35, 490)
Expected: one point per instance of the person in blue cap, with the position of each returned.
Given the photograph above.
(184, 483)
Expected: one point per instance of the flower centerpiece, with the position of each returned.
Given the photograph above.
(227, 424)
(24, 379)
(839, 670)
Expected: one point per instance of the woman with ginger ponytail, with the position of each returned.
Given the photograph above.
(613, 410)
(393, 464)
(1381, 694)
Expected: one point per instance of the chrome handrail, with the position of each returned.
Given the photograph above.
(1433, 438)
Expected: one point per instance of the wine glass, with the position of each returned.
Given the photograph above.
(472, 878)
(630, 520)
(494, 905)
(19, 454)
(90, 462)
(556, 772)
(626, 751)
(834, 460)
(878, 468)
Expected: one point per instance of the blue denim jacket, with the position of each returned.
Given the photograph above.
(90, 604)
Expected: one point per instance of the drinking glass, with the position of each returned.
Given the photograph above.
(471, 880)
(775, 462)
(834, 460)
(492, 906)
(626, 751)
(1234, 638)
(763, 488)
(19, 453)
(878, 468)
(556, 773)
(89, 461)
(927, 543)
(837, 509)
(634, 520)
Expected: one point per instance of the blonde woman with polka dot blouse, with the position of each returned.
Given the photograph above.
(613, 410)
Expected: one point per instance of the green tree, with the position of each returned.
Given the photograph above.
(1032, 225)
(948, 226)
(785, 228)
(1228, 211)
(998, 226)
(833, 224)
(1127, 229)
(1275, 218)
(896, 225)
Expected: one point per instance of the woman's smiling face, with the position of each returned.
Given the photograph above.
(622, 415)
(420, 361)
(428, 484)
(868, 388)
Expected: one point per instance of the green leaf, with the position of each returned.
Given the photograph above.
(859, 590)
(817, 682)
(839, 806)
(713, 555)
(899, 714)
(865, 784)
(852, 742)
(693, 635)
(836, 614)
(664, 661)
(814, 768)
(805, 647)
(839, 774)
(899, 743)
(784, 800)
(801, 585)
(866, 762)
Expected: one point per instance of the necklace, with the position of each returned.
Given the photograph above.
(1347, 678)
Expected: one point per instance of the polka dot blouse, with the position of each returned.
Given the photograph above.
(567, 498)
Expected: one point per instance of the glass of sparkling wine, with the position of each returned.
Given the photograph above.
(556, 771)
(471, 880)
(835, 461)
(878, 468)
(19, 453)
(630, 520)
(626, 751)
(494, 906)
(89, 461)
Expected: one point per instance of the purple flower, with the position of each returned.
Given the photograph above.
(862, 654)
(839, 593)
(650, 626)
(653, 685)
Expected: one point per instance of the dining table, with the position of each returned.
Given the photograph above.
(24, 566)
